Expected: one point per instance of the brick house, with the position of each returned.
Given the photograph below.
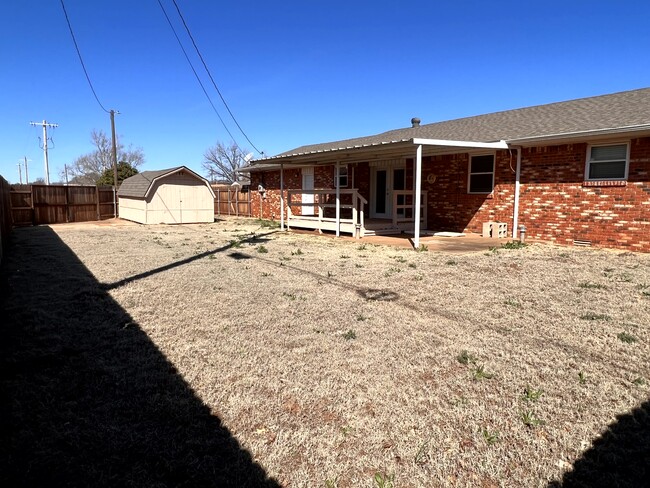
(575, 172)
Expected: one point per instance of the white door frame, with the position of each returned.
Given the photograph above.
(307, 199)
(388, 208)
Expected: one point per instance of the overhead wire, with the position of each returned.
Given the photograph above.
(74, 40)
(198, 52)
(195, 73)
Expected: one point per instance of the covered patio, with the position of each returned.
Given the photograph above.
(354, 212)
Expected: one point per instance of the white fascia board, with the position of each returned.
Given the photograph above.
(472, 144)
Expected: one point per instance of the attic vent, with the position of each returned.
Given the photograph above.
(577, 242)
(415, 122)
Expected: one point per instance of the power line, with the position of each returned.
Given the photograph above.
(210, 75)
(196, 74)
(80, 58)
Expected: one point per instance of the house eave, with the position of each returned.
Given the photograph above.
(632, 131)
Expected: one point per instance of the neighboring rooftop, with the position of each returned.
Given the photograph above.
(627, 109)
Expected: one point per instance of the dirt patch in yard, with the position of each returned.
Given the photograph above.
(307, 361)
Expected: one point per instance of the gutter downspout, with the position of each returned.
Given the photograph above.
(515, 210)
(281, 196)
(418, 195)
(338, 199)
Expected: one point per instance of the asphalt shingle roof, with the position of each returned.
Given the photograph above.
(617, 110)
(137, 185)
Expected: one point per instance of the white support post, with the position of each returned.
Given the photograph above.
(515, 210)
(282, 197)
(417, 197)
(338, 200)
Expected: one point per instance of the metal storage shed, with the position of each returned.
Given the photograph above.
(168, 196)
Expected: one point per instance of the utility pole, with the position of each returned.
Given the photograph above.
(45, 126)
(20, 172)
(114, 143)
(26, 172)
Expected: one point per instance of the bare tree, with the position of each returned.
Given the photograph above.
(87, 169)
(221, 162)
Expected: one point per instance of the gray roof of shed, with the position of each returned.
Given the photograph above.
(138, 185)
(615, 111)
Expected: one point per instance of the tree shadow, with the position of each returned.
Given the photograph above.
(619, 458)
(86, 398)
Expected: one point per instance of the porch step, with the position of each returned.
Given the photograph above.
(381, 232)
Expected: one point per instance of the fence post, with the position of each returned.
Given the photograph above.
(99, 214)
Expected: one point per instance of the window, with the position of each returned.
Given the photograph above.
(343, 176)
(481, 174)
(607, 162)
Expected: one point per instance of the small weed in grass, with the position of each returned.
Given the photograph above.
(267, 224)
(422, 248)
(490, 438)
(531, 395)
(513, 245)
(212, 256)
(331, 483)
(582, 378)
(290, 296)
(399, 259)
(262, 249)
(451, 262)
(591, 286)
(344, 256)
(418, 278)
(265, 274)
(357, 265)
(563, 255)
(350, 335)
(235, 243)
(595, 316)
(479, 373)
(422, 456)
(361, 318)
(384, 480)
(513, 303)
(640, 381)
(361, 247)
(465, 357)
(627, 338)
(530, 419)
(412, 265)
(297, 252)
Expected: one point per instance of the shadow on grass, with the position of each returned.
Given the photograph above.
(86, 398)
(253, 239)
(619, 458)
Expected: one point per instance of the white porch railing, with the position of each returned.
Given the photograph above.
(352, 214)
(403, 212)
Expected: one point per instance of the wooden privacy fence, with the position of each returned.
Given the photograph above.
(229, 200)
(5, 214)
(53, 204)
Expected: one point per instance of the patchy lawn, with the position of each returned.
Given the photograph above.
(319, 362)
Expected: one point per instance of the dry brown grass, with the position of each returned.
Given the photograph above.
(336, 360)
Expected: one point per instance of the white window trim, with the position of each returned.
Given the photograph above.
(337, 176)
(469, 172)
(627, 160)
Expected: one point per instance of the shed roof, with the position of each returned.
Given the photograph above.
(137, 186)
(628, 110)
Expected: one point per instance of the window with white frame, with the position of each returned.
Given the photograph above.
(342, 176)
(607, 162)
(481, 174)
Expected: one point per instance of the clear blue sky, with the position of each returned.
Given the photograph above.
(297, 72)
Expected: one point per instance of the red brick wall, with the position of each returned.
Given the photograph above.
(555, 203)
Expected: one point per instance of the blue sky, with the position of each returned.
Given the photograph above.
(296, 72)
